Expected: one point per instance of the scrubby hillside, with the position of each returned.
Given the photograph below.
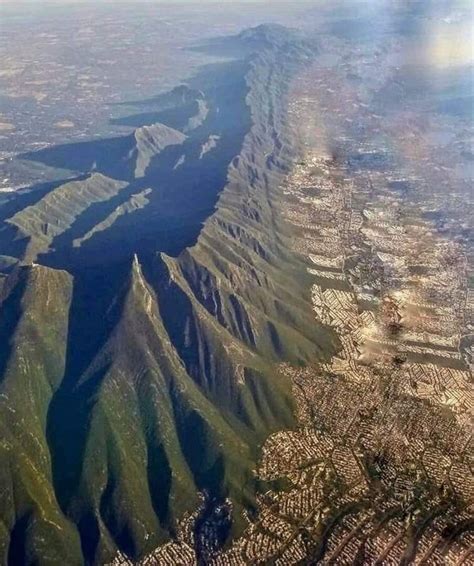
(138, 359)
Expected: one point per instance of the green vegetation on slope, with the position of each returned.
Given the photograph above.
(56, 212)
(34, 323)
(152, 379)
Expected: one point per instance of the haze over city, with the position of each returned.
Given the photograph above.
(236, 292)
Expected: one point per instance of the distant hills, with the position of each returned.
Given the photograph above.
(144, 303)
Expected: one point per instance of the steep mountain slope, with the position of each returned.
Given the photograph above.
(34, 324)
(134, 203)
(153, 439)
(125, 157)
(184, 181)
(56, 212)
(149, 366)
(151, 140)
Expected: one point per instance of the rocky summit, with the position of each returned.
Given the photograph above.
(236, 293)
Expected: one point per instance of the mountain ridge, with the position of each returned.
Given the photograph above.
(166, 384)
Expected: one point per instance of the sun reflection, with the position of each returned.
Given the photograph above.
(449, 43)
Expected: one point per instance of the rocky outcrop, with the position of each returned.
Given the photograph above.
(150, 141)
(155, 379)
(55, 213)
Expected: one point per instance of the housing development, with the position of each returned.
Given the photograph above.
(379, 470)
(236, 283)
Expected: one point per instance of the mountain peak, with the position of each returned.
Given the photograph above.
(274, 34)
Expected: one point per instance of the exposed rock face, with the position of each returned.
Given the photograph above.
(151, 140)
(134, 203)
(198, 118)
(155, 379)
(56, 212)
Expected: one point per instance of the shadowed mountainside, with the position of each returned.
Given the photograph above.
(138, 351)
